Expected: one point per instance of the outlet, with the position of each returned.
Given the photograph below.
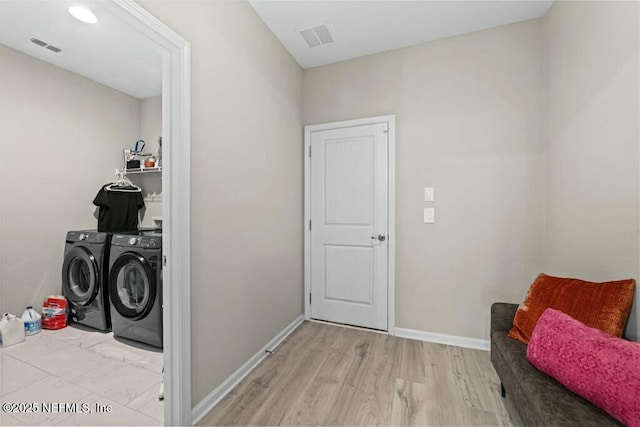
(429, 215)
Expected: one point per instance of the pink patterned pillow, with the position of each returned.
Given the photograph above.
(599, 367)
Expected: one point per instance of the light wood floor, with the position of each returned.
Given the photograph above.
(330, 375)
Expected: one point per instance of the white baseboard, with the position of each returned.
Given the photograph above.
(443, 339)
(212, 399)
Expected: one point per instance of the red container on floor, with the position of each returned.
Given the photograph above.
(54, 312)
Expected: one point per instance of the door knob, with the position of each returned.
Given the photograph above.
(381, 237)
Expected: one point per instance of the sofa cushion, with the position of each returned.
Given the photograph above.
(605, 305)
(599, 367)
(544, 401)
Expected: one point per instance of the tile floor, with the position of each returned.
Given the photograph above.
(83, 366)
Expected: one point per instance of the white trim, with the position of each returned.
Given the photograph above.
(434, 337)
(176, 89)
(213, 398)
(391, 297)
(343, 325)
(307, 218)
(391, 238)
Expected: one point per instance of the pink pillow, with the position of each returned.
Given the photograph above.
(599, 367)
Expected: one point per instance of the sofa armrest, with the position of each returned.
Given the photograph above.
(502, 315)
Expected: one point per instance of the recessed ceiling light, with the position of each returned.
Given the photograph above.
(83, 14)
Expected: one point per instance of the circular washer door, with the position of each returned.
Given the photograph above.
(131, 286)
(80, 275)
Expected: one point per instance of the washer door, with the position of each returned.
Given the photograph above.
(80, 276)
(131, 286)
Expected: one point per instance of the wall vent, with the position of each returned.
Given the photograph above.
(44, 44)
(317, 36)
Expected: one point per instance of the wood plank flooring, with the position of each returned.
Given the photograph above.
(329, 375)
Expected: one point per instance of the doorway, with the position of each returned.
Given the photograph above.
(174, 59)
(176, 202)
(349, 222)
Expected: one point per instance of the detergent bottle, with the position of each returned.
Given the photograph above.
(32, 321)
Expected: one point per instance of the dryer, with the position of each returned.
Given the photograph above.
(135, 286)
(84, 278)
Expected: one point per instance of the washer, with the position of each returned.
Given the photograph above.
(84, 278)
(135, 286)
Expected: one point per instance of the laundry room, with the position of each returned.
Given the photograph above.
(81, 214)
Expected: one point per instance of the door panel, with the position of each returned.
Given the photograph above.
(349, 196)
(348, 168)
(348, 274)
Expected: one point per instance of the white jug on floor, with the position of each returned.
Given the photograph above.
(11, 330)
(32, 321)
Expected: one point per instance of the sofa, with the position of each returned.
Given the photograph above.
(532, 397)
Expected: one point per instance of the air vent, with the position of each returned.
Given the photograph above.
(38, 42)
(44, 44)
(317, 36)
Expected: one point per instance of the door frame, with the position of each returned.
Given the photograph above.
(391, 207)
(176, 127)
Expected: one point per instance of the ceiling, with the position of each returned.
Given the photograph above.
(118, 56)
(366, 27)
(108, 52)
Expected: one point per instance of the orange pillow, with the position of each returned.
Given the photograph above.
(604, 306)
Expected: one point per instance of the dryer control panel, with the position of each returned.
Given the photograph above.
(151, 242)
(86, 236)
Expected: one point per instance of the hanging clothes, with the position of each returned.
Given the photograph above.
(118, 208)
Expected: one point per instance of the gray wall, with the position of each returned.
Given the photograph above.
(529, 134)
(151, 183)
(593, 110)
(61, 137)
(151, 123)
(469, 123)
(246, 175)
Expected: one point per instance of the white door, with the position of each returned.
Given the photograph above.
(349, 225)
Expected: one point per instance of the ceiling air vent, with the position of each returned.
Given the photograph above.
(38, 42)
(317, 36)
(44, 44)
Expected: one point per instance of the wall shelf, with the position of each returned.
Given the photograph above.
(138, 170)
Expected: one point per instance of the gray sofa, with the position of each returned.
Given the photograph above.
(532, 397)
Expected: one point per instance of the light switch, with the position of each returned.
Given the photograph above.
(429, 194)
(429, 215)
